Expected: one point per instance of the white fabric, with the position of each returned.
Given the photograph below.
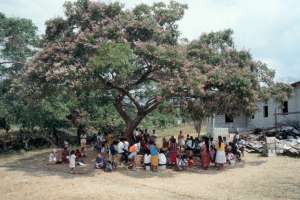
(231, 159)
(181, 141)
(189, 143)
(136, 133)
(162, 160)
(52, 158)
(126, 145)
(138, 147)
(100, 138)
(220, 157)
(147, 159)
(72, 161)
(121, 147)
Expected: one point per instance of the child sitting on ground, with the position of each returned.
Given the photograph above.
(231, 158)
(100, 161)
(147, 160)
(52, 157)
(190, 162)
(108, 166)
(181, 162)
(72, 161)
(132, 156)
(65, 155)
(162, 160)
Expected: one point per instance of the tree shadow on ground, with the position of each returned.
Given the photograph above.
(36, 165)
(196, 169)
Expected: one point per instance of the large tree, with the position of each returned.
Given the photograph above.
(133, 58)
(128, 55)
(223, 79)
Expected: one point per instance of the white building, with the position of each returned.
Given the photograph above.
(267, 115)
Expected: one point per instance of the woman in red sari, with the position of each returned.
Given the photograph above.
(172, 151)
(204, 154)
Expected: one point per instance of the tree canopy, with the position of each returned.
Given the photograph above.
(130, 56)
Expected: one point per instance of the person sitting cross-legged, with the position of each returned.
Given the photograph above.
(162, 160)
(100, 161)
(147, 160)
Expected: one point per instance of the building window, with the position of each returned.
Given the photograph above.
(285, 108)
(266, 111)
(228, 119)
(253, 116)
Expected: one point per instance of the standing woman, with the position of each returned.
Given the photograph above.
(220, 154)
(205, 154)
(172, 151)
(181, 141)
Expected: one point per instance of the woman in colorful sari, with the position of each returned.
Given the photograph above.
(172, 151)
(204, 154)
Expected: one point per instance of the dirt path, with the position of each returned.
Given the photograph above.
(27, 177)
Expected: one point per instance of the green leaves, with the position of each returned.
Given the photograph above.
(18, 38)
(113, 61)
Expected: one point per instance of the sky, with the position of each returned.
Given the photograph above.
(270, 29)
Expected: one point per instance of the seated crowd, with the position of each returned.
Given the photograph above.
(143, 151)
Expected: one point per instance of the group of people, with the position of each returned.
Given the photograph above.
(142, 150)
(113, 152)
(68, 155)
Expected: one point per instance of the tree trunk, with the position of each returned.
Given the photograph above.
(132, 125)
(198, 125)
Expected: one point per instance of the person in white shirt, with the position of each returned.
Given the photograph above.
(147, 160)
(72, 161)
(120, 147)
(190, 143)
(52, 157)
(162, 160)
(126, 145)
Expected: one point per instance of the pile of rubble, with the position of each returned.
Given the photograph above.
(282, 140)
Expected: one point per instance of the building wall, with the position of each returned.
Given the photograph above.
(259, 121)
(238, 122)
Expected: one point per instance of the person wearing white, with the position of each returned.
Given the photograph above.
(162, 160)
(52, 157)
(126, 145)
(189, 144)
(138, 147)
(147, 161)
(72, 161)
(120, 147)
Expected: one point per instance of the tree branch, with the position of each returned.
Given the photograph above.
(11, 62)
(119, 107)
(123, 91)
(152, 104)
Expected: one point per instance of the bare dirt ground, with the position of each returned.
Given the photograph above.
(26, 176)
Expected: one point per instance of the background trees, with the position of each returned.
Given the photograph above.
(18, 42)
